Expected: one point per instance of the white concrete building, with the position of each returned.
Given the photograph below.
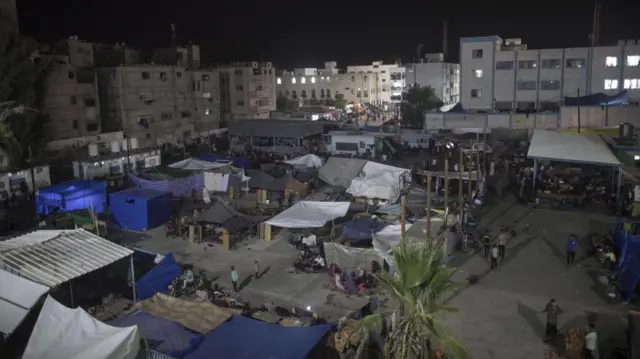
(247, 90)
(390, 80)
(443, 77)
(505, 75)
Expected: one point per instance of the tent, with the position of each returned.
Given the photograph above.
(197, 164)
(599, 99)
(158, 279)
(244, 338)
(306, 161)
(72, 196)
(570, 147)
(360, 231)
(65, 333)
(379, 181)
(340, 171)
(628, 246)
(309, 214)
(180, 187)
(163, 336)
(141, 208)
(240, 162)
(17, 296)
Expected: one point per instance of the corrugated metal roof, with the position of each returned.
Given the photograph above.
(17, 296)
(55, 257)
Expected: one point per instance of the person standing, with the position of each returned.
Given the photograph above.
(234, 278)
(571, 249)
(494, 257)
(256, 268)
(503, 238)
(591, 343)
(486, 243)
(552, 311)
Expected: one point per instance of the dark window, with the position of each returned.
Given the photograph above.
(90, 102)
(146, 76)
(346, 146)
(71, 75)
(92, 127)
(75, 124)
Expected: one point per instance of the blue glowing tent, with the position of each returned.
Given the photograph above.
(244, 338)
(360, 231)
(628, 246)
(140, 209)
(158, 279)
(72, 196)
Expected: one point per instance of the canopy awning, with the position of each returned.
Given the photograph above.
(52, 257)
(17, 296)
(306, 161)
(571, 147)
(309, 214)
(196, 164)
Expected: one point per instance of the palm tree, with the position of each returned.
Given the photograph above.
(420, 285)
(8, 142)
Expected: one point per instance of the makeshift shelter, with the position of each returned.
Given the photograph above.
(261, 180)
(379, 181)
(240, 162)
(244, 338)
(159, 278)
(339, 171)
(359, 232)
(71, 196)
(64, 333)
(351, 258)
(200, 317)
(306, 161)
(599, 99)
(197, 164)
(416, 233)
(17, 296)
(628, 246)
(289, 185)
(162, 336)
(309, 214)
(55, 257)
(179, 187)
(141, 208)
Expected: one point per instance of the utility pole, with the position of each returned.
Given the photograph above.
(429, 208)
(579, 120)
(446, 188)
(484, 153)
(595, 31)
(445, 40)
(477, 163)
(461, 169)
(403, 214)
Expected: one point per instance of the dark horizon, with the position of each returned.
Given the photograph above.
(308, 36)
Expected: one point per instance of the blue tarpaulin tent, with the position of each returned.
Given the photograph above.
(244, 338)
(599, 99)
(158, 279)
(239, 162)
(163, 336)
(141, 208)
(360, 231)
(72, 196)
(628, 246)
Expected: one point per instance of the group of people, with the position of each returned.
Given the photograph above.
(496, 249)
(552, 312)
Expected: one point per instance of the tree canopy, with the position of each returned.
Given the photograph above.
(415, 102)
(283, 103)
(23, 77)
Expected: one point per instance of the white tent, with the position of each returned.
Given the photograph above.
(64, 333)
(309, 214)
(17, 296)
(571, 147)
(196, 164)
(306, 161)
(379, 181)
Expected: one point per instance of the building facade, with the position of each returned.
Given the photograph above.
(247, 90)
(506, 75)
(390, 81)
(442, 77)
(9, 13)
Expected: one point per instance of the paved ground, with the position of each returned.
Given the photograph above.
(500, 315)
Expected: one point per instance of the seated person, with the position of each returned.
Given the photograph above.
(187, 278)
(319, 261)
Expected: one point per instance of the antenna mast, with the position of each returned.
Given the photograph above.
(445, 39)
(595, 32)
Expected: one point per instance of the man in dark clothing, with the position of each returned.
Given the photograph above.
(571, 250)
(486, 243)
(553, 311)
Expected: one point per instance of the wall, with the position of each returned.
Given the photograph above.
(355, 87)
(10, 181)
(103, 139)
(444, 78)
(248, 90)
(103, 167)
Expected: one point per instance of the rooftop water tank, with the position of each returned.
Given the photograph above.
(115, 146)
(93, 150)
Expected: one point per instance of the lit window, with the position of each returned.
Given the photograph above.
(303, 80)
(293, 80)
(633, 60)
(322, 78)
(477, 74)
(610, 84)
(313, 80)
(631, 84)
(328, 79)
(612, 61)
(279, 80)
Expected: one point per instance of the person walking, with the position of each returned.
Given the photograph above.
(571, 250)
(256, 268)
(234, 278)
(494, 257)
(503, 238)
(591, 343)
(486, 243)
(552, 311)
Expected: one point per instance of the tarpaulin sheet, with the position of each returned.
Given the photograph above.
(196, 164)
(379, 181)
(17, 296)
(72, 196)
(240, 162)
(158, 279)
(244, 338)
(65, 333)
(350, 258)
(162, 335)
(141, 208)
(599, 99)
(628, 261)
(361, 230)
(181, 187)
(306, 161)
(310, 214)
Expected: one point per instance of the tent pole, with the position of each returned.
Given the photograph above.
(402, 220)
(428, 208)
(446, 188)
(535, 175)
(460, 189)
(71, 293)
(133, 278)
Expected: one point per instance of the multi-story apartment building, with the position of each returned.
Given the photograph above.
(506, 75)
(442, 77)
(310, 85)
(9, 13)
(390, 81)
(72, 91)
(247, 90)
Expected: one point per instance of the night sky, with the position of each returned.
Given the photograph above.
(306, 33)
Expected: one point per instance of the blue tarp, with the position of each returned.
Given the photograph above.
(73, 196)
(628, 246)
(360, 231)
(158, 279)
(239, 162)
(163, 335)
(598, 99)
(369, 128)
(141, 208)
(244, 338)
(179, 187)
